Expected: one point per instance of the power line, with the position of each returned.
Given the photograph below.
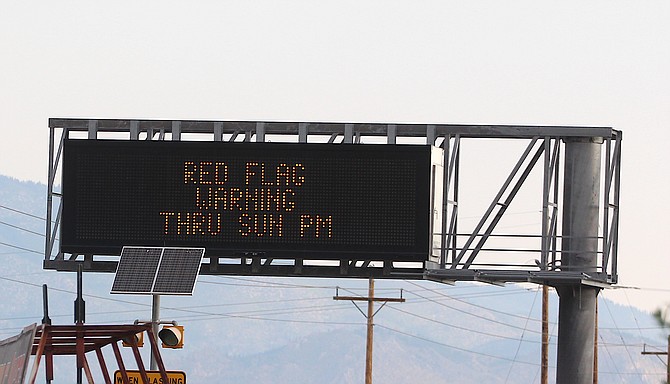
(274, 312)
(502, 357)
(467, 329)
(275, 301)
(270, 283)
(258, 302)
(21, 228)
(620, 334)
(73, 292)
(518, 348)
(471, 304)
(452, 346)
(211, 316)
(22, 212)
(214, 315)
(21, 248)
(470, 313)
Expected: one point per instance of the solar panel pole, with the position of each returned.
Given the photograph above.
(155, 320)
(79, 318)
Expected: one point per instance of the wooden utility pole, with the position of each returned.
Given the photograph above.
(595, 349)
(667, 360)
(371, 299)
(370, 329)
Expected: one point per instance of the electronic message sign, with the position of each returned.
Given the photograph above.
(319, 201)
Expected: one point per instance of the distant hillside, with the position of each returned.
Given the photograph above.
(289, 330)
(29, 198)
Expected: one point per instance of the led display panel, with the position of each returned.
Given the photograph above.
(311, 201)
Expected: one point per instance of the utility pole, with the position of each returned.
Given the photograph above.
(371, 299)
(595, 349)
(667, 360)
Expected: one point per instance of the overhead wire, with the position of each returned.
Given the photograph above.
(72, 292)
(20, 248)
(22, 212)
(471, 304)
(470, 313)
(14, 246)
(273, 283)
(500, 357)
(467, 329)
(518, 348)
(181, 309)
(609, 354)
(244, 315)
(450, 346)
(255, 303)
(21, 228)
(637, 323)
(273, 311)
(210, 315)
(306, 286)
(620, 334)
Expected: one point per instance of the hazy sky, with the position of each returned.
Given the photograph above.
(603, 63)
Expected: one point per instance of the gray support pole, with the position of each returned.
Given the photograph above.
(155, 319)
(50, 187)
(577, 307)
(544, 370)
(348, 133)
(260, 132)
(302, 132)
(391, 133)
(79, 318)
(45, 302)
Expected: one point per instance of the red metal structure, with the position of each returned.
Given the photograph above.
(80, 339)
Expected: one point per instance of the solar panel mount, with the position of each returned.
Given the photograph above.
(157, 270)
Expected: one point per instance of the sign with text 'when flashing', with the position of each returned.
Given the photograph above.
(135, 377)
(318, 201)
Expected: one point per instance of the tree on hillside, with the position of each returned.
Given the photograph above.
(661, 316)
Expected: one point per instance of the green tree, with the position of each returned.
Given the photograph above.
(662, 316)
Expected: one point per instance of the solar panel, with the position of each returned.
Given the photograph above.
(136, 271)
(157, 270)
(178, 271)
